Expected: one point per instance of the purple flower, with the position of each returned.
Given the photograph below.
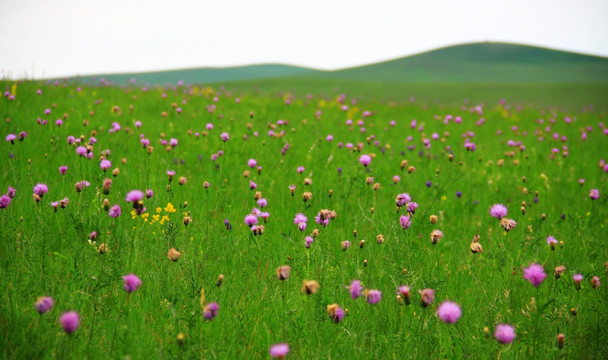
(355, 289)
(498, 211)
(405, 222)
(577, 280)
(535, 274)
(427, 296)
(411, 207)
(402, 199)
(224, 136)
(505, 334)
(210, 311)
(149, 193)
(44, 304)
(594, 194)
(299, 218)
(551, 240)
(69, 321)
(365, 160)
(105, 164)
(373, 296)
(173, 142)
(279, 351)
(134, 196)
(11, 192)
(41, 189)
(300, 169)
(329, 137)
(262, 202)
(308, 241)
(11, 138)
(132, 282)
(115, 211)
(63, 169)
(458, 194)
(81, 150)
(449, 312)
(5, 201)
(251, 220)
(252, 163)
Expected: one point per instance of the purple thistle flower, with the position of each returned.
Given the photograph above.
(224, 136)
(69, 321)
(81, 150)
(115, 211)
(134, 196)
(262, 202)
(149, 193)
(299, 218)
(44, 304)
(11, 192)
(105, 164)
(41, 189)
(227, 225)
(11, 138)
(132, 282)
(405, 222)
(63, 169)
(535, 274)
(403, 199)
(308, 241)
(251, 220)
(449, 312)
(373, 296)
(252, 163)
(505, 334)
(355, 289)
(365, 160)
(210, 311)
(279, 351)
(498, 211)
(411, 207)
(5, 201)
(594, 194)
(551, 240)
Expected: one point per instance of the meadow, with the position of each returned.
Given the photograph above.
(210, 181)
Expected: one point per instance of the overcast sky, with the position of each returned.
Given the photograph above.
(68, 37)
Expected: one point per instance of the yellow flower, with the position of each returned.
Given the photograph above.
(156, 217)
(158, 210)
(133, 213)
(170, 208)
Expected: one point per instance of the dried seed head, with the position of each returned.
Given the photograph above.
(433, 219)
(306, 196)
(476, 247)
(283, 272)
(310, 287)
(174, 255)
(380, 238)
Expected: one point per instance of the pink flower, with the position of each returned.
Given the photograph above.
(69, 321)
(365, 160)
(134, 196)
(405, 222)
(41, 189)
(105, 164)
(373, 296)
(594, 194)
(355, 289)
(44, 304)
(224, 136)
(132, 282)
(505, 334)
(210, 311)
(449, 312)
(498, 211)
(252, 163)
(279, 351)
(535, 274)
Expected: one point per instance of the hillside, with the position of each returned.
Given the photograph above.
(206, 75)
(485, 63)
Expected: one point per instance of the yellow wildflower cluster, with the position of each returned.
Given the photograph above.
(155, 218)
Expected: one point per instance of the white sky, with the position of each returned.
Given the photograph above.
(68, 37)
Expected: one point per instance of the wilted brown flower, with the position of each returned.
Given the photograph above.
(174, 255)
(283, 272)
(310, 287)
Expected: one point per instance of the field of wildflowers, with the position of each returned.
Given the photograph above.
(192, 222)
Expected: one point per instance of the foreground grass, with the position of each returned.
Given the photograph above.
(43, 252)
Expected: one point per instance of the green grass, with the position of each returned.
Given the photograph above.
(43, 252)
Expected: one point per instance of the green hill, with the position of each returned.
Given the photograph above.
(485, 63)
(206, 75)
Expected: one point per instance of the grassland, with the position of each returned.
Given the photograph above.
(44, 252)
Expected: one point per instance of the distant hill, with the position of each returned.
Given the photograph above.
(485, 63)
(480, 63)
(205, 75)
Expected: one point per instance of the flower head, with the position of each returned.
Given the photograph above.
(115, 211)
(134, 196)
(224, 136)
(403, 199)
(505, 334)
(69, 321)
(279, 351)
(594, 194)
(365, 160)
(449, 312)
(373, 296)
(41, 189)
(5, 201)
(105, 164)
(535, 274)
(355, 289)
(210, 311)
(498, 211)
(44, 304)
(405, 222)
(132, 282)
(427, 296)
